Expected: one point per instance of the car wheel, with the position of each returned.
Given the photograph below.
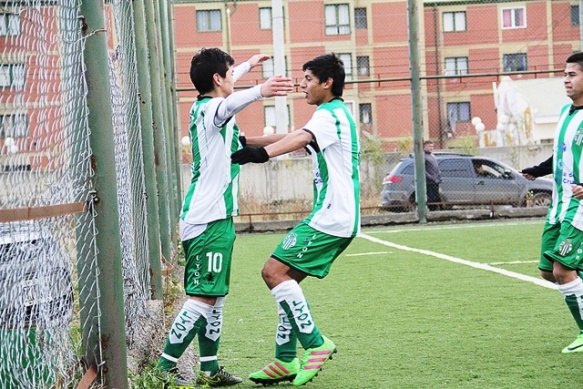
(540, 199)
(411, 205)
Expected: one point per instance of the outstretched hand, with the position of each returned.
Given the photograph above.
(527, 176)
(257, 59)
(277, 86)
(250, 154)
(577, 191)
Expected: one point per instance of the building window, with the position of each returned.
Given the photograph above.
(456, 66)
(337, 19)
(13, 126)
(265, 18)
(270, 119)
(360, 21)
(454, 21)
(362, 65)
(459, 112)
(208, 20)
(12, 75)
(514, 17)
(9, 24)
(346, 58)
(514, 62)
(365, 113)
(268, 68)
(349, 106)
(575, 16)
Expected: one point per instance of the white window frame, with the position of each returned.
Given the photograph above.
(265, 18)
(454, 21)
(12, 75)
(268, 68)
(361, 22)
(456, 107)
(205, 21)
(575, 22)
(337, 18)
(10, 24)
(522, 55)
(13, 125)
(269, 115)
(363, 65)
(455, 66)
(513, 22)
(350, 105)
(365, 113)
(346, 58)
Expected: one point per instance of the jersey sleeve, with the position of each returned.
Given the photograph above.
(241, 70)
(323, 126)
(236, 102)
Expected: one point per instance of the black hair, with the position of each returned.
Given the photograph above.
(205, 64)
(328, 66)
(576, 58)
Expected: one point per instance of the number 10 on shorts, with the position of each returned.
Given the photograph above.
(215, 262)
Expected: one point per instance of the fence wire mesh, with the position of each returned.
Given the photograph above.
(50, 309)
(45, 164)
(489, 78)
(129, 164)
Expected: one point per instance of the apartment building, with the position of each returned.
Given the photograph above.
(465, 47)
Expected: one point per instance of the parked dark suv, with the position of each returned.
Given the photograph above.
(466, 180)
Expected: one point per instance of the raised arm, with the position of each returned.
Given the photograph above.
(236, 102)
(288, 143)
(539, 170)
(246, 66)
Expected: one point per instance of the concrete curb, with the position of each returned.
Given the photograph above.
(387, 219)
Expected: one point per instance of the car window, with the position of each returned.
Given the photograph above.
(454, 168)
(488, 169)
(408, 169)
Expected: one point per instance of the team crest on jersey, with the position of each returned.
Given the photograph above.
(565, 247)
(289, 241)
(578, 137)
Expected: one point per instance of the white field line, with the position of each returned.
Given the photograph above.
(457, 227)
(370, 253)
(512, 262)
(476, 265)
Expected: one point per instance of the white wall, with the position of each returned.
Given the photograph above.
(291, 178)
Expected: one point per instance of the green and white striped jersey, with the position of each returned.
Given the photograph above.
(212, 194)
(214, 188)
(336, 209)
(567, 169)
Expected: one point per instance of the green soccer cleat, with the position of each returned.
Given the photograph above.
(220, 378)
(313, 360)
(275, 372)
(575, 347)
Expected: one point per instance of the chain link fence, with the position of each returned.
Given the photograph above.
(57, 274)
(489, 78)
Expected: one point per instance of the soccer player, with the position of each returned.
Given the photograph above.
(562, 240)
(311, 247)
(206, 221)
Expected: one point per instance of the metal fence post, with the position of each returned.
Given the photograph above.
(420, 189)
(159, 129)
(150, 172)
(109, 260)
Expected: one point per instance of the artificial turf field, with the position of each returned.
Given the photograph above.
(433, 306)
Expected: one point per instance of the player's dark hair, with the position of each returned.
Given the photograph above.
(328, 66)
(205, 64)
(576, 58)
